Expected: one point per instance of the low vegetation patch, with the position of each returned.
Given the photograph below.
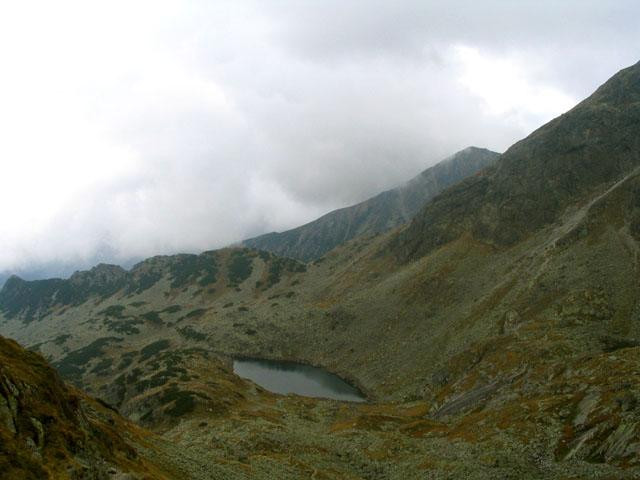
(125, 326)
(153, 317)
(153, 348)
(183, 401)
(197, 313)
(126, 360)
(189, 269)
(73, 365)
(240, 266)
(172, 309)
(115, 311)
(59, 340)
(143, 281)
(103, 367)
(278, 266)
(192, 334)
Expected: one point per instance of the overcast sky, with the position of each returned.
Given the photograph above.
(133, 128)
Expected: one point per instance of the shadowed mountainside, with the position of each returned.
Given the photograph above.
(565, 161)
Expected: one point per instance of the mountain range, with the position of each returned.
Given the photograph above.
(378, 214)
(494, 335)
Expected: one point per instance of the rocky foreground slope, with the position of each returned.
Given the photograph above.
(496, 336)
(49, 430)
(378, 214)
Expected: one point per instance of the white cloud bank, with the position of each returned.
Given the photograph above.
(130, 129)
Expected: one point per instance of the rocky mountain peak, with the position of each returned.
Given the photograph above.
(13, 282)
(101, 274)
(573, 156)
(621, 89)
(378, 214)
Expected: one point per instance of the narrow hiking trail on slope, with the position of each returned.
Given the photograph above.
(570, 221)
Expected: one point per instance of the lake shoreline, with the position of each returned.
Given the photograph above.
(290, 377)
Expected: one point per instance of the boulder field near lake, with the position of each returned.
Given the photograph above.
(496, 334)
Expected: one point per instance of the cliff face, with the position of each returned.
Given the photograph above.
(378, 214)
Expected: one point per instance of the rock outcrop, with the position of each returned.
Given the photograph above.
(50, 431)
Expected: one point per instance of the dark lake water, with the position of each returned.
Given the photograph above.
(289, 377)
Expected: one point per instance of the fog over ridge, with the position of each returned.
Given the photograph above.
(135, 129)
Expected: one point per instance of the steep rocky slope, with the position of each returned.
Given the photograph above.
(376, 215)
(496, 336)
(48, 430)
(564, 162)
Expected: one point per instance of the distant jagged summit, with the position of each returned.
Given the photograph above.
(31, 300)
(593, 145)
(383, 212)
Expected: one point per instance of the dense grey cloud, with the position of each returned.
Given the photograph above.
(140, 128)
